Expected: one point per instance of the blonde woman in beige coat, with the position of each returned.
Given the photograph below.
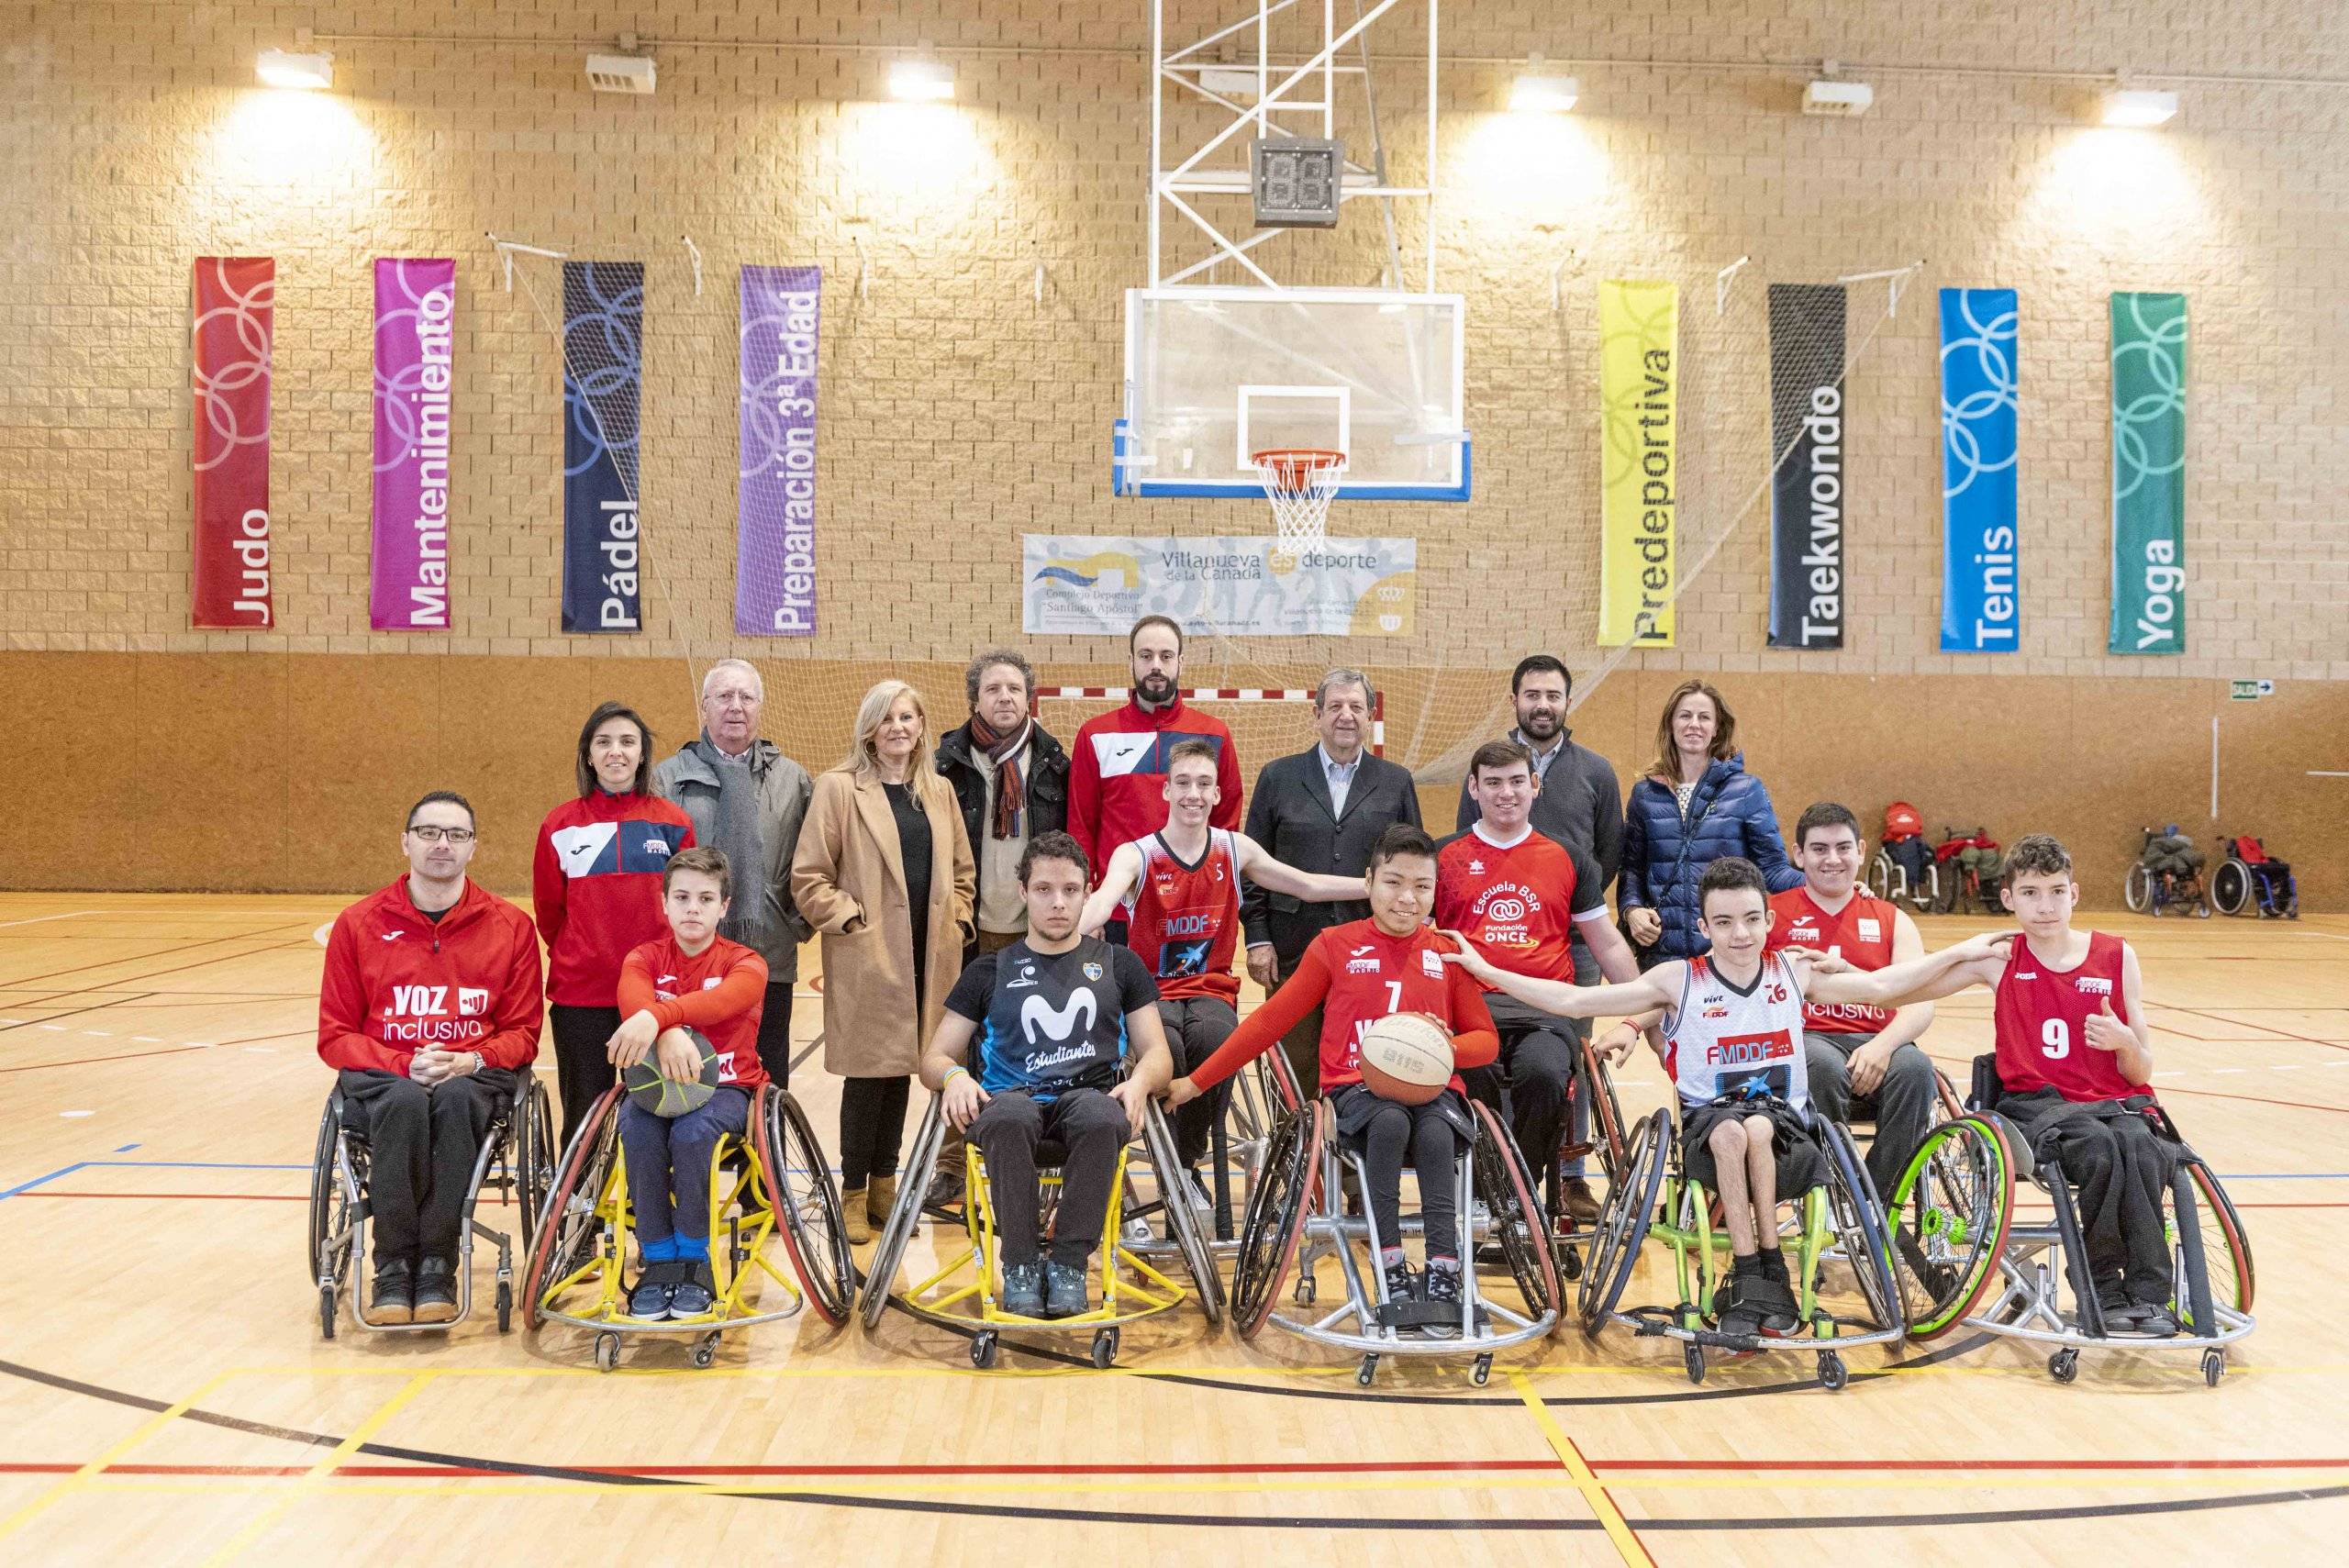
(884, 873)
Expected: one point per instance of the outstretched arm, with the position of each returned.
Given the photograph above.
(1974, 961)
(1256, 863)
(1659, 988)
(1116, 878)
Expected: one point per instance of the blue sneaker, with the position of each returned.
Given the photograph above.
(1023, 1289)
(1065, 1295)
(650, 1300)
(694, 1295)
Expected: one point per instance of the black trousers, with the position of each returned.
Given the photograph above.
(1432, 1136)
(873, 1127)
(421, 1146)
(775, 1033)
(1195, 1025)
(1302, 1044)
(582, 1071)
(2118, 1167)
(1085, 1122)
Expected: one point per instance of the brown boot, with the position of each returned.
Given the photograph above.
(879, 1199)
(852, 1216)
(1581, 1203)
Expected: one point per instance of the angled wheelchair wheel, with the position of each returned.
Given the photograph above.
(1606, 1125)
(2137, 891)
(2226, 1250)
(1181, 1219)
(1859, 1226)
(1623, 1221)
(1880, 875)
(2230, 887)
(800, 1191)
(568, 1226)
(1287, 1094)
(904, 1216)
(1279, 1208)
(1949, 1214)
(327, 1205)
(533, 1155)
(1518, 1224)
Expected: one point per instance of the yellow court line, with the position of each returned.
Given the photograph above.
(1618, 1530)
(72, 1483)
(317, 1474)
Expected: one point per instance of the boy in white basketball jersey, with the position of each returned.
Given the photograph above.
(1728, 1026)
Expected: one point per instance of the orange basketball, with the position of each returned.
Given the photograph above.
(1407, 1058)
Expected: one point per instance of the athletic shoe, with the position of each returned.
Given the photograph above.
(2156, 1320)
(945, 1190)
(650, 1301)
(393, 1297)
(1065, 1295)
(1581, 1203)
(435, 1291)
(695, 1295)
(1023, 1289)
(1441, 1287)
(2121, 1316)
(1733, 1308)
(1402, 1284)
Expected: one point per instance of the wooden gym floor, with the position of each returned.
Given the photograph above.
(165, 1396)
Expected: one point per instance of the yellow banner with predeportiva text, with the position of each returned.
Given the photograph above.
(1639, 388)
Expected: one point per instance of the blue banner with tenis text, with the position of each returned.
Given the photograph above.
(1981, 604)
(603, 382)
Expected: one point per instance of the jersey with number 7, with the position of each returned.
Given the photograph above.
(2042, 1017)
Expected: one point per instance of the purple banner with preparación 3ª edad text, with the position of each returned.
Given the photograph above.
(774, 576)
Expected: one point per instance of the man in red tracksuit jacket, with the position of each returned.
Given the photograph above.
(1116, 775)
(428, 1005)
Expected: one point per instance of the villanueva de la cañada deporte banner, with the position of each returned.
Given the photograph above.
(231, 335)
(603, 374)
(1981, 593)
(1639, 383)
(774, 546)
(2148, 474)
(416, 305)
(1808, 493)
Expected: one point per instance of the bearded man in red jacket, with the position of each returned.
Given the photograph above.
(429, 1004)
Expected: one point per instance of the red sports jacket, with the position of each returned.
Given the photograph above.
(1117, 774)
(396, 982)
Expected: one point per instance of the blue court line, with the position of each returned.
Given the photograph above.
(22, 1187)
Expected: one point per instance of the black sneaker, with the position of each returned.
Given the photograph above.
(1733, 1309)
(1023, 1289)
(695, 1295)
(1441, 1286)
(1402, 1284)
(945, 1190)
(2156, 1320)
(393, 1297)
(1065, 1295)
(435, 1291)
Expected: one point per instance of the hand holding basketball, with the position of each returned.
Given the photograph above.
(631, 1040)
(1407, 1058)
(678, 1059)
(2107, 1032)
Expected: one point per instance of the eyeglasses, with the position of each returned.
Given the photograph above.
(432, 835)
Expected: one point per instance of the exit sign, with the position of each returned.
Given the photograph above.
(2252, 691)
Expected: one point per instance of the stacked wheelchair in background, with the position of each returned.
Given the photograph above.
(1961, 871)
(2250, 880)
(2167, 877)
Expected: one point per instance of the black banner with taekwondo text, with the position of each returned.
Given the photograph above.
(1808, 495)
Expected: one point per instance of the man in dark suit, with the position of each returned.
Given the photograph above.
(1320, 810)
(1581, 806)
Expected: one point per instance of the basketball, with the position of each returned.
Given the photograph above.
(666, 1096)
(1407, 1058)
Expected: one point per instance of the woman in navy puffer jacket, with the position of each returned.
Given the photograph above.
(1698, 805)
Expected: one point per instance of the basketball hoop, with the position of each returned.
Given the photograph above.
(1300, 482)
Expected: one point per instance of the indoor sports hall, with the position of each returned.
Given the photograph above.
(998, 782)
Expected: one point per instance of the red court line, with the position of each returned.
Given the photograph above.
(86, 1061)
(2252, 1099)
(2271, 1028)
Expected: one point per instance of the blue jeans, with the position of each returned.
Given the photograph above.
(669, 1156)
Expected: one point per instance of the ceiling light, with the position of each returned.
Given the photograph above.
(1844, 99)
(2139, 106)
(1536, 92)
(634, 74)
(922, 81)
(284, 68)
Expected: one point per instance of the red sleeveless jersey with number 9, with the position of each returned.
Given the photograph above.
(2042, 1017)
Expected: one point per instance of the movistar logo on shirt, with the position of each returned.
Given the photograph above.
(1040, 1017)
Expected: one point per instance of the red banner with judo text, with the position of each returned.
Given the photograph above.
(231, 341)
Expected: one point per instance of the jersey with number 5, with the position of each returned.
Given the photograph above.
(2042, 1017)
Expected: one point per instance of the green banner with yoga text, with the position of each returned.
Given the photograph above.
(1638, 386)
(2148, 474)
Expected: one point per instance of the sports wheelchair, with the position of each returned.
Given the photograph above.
(1839, 1218)
(2211, 1256)
(2167, 875)
(1297, 1216)
(963, 1293)
(1967, 869)
(515, 1160)
(2247, 875)
(771, 1180)
(1903, 865)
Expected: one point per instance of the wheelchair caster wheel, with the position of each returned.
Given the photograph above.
(1104, 1348)
(607, 1351)
(983, 1351)
(1570, 1264)
(1305, 1291)
(505, 1306)
(1692, 1358)
(2214, 1367)
(326, 1310)
(706, 1350)
(1832, 1373)
(2063, 1365)
(1368, 1370)
(1482, 1372)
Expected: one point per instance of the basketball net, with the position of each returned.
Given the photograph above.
(1300, 482)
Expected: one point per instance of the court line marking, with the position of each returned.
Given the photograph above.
(23, 1187)
(317, 1474)
(37, 919)
(89, 1471)
(1594, 1495)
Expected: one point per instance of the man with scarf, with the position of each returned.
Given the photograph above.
(1011, 777)
(747, 799)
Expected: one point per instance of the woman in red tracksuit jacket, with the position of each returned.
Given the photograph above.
(428, 1005)
(595, 889)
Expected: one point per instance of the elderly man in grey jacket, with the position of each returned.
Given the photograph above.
(748, 799)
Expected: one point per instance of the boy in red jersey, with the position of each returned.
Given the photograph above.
(1178, 893)
(1521, 895)
(691, 980)
(1857, 1056)
(2076, 1061)
(1357, 973)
